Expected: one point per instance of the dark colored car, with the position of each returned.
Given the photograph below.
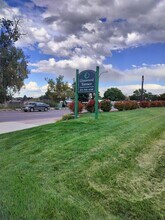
(35, 106)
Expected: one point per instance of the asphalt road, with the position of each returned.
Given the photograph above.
(17, 120)
(8, 116)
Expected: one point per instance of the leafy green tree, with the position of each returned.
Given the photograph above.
(13, 63)
(137, 95)
(58, 90)
(82, 97)
(114, 94)
(150, 97)
(162, 97)
(25, 98)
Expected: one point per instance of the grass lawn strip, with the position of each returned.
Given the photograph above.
(111, 168)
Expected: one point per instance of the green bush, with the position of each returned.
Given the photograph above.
(106, 105)
(67, 117)
(52, 103)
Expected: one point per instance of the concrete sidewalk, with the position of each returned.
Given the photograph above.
(6, 127)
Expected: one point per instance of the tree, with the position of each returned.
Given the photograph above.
(137, 94)
(58, 90)
(25, 98)
(150, 97)
(114, 94)
(82, 97)
(161, 97)
(13, 63)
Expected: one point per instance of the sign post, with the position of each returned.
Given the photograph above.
(76, 96)
(87, 81)
(96, 92)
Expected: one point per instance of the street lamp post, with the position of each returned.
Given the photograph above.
(106, 71)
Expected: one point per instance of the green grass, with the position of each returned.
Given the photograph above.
(110, 168)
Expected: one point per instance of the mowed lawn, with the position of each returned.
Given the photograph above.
(110, 168)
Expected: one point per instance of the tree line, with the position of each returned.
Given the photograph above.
(115, 94)
(59, 90)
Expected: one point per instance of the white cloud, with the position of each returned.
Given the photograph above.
(9, 12)
(133, 38)
(73, 27)
(153, 88)
(153, 74)
(66, 67)
(40, 34)
(32, 89)
(31, 86)
(134, 66)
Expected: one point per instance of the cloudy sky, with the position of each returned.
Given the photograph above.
(126, 38)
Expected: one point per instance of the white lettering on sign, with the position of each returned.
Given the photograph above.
(86, 80)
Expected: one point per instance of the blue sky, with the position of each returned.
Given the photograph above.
(138, 56)
(125, 38)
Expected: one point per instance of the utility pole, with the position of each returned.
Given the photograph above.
(142, 90)
(76, 96)
(96, 92)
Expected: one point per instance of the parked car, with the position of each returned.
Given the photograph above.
(35, 106)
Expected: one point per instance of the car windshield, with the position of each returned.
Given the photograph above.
(31, 103)
(40, 104)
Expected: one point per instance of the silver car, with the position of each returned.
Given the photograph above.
(35, 106)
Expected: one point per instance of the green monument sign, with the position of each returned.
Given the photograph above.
(87, 81)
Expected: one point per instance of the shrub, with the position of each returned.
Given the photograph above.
(163, 103)
(144, 104)
(106, 105)
(126, 105)
(153, 104)
(119, 106)
(135, 105)
(67, 117)
(156, 104)
(129, 105)
(71, 106)
(159, 103)
(90, 106)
